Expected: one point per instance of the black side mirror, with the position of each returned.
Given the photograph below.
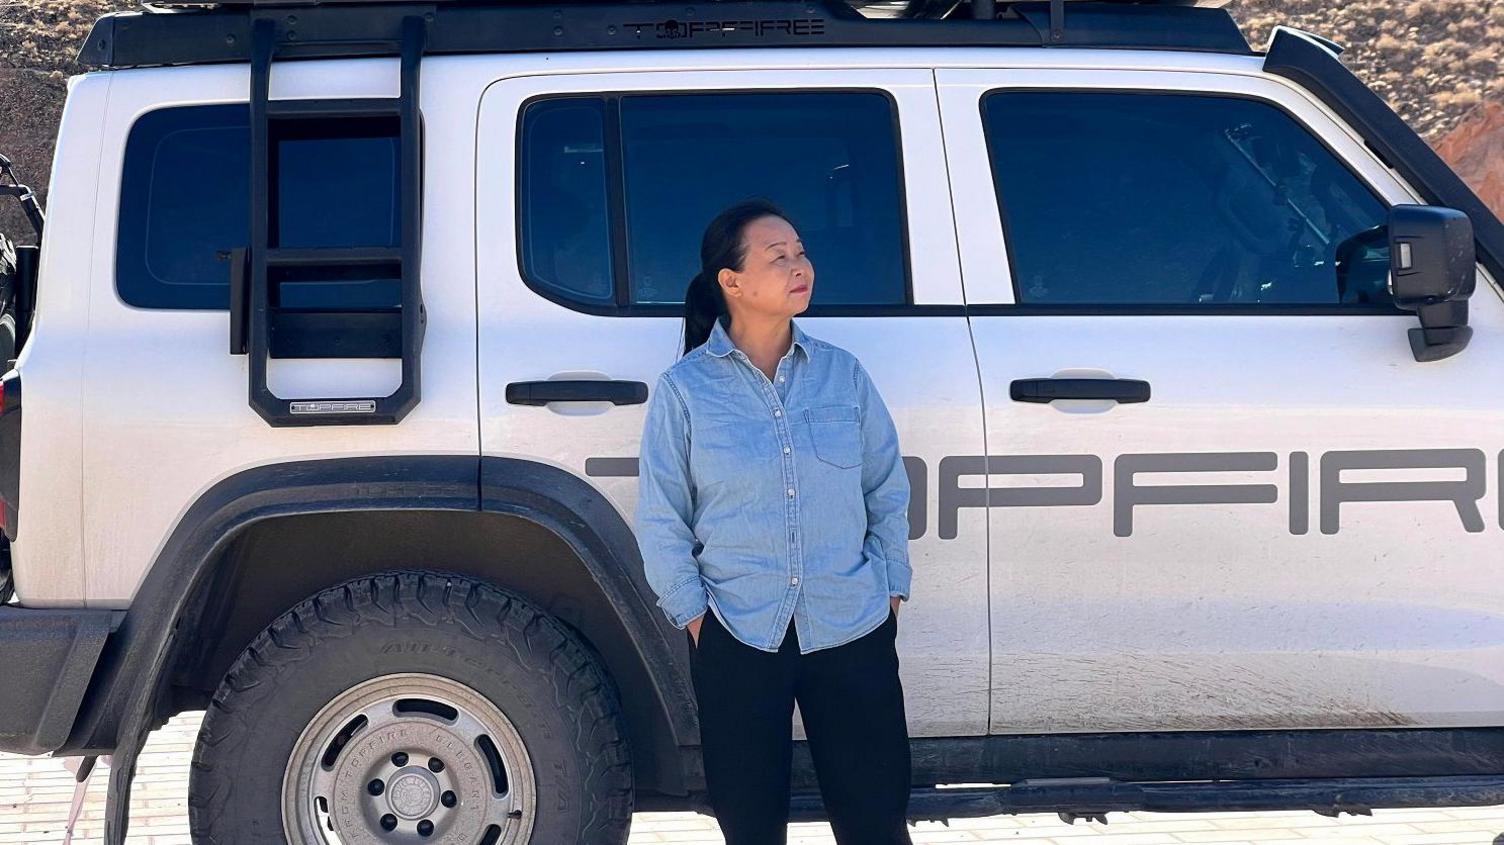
(1433, 269)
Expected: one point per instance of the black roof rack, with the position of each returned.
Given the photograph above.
(188, 33)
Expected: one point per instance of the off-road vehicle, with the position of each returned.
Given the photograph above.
(335, 354)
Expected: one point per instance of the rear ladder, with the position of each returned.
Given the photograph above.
(260, 327)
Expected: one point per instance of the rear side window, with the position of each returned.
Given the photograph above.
(1145, 199)
(185, 203)
(566, 233)
(830, 159)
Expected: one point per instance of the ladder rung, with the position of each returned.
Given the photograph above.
(353, 107)
(335, 334)
(333, 257)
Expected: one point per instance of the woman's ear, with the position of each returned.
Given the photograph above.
(730, 284)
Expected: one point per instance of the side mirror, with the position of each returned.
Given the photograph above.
(1433, 269)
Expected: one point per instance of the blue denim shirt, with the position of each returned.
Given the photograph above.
(770, 500)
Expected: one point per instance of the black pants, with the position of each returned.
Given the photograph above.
(852, 705)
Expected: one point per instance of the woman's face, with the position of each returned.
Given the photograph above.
(776, 279)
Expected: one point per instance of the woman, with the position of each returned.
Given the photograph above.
(773, 522)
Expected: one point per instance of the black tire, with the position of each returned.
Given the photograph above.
(537, 672)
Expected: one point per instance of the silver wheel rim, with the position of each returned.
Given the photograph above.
(409, 758)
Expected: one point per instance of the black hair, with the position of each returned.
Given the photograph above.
(724, 246)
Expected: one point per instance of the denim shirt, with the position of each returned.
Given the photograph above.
(770, 500)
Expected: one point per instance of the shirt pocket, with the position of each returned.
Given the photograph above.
(836, 432)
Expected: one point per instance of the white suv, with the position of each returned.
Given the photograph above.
(346, 314)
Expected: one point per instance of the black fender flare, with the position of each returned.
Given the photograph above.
(120, 708)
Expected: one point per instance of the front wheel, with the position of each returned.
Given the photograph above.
(413, 707)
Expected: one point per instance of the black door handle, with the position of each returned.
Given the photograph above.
(240, 300)
(583, 390)
(1044, 390)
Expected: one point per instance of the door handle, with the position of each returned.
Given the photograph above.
(577, 390)
(1046, 390)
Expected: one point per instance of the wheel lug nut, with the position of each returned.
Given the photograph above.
(449, 799)
(388, 822)
(399, 759)
(376, 787)
(435, 765)
(425, 828)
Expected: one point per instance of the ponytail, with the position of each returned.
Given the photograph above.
(723, 247)
(704, 303)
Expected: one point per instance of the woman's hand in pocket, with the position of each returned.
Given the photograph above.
(893, 602)
(694, 629)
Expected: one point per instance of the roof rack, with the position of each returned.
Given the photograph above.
(178, 32)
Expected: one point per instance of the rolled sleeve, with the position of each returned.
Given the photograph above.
(685, 602)
(885, 487)
(665, 507)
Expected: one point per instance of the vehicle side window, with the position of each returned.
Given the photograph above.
(566, 231)
(830, 159)
(1144, 199)
(185, 203)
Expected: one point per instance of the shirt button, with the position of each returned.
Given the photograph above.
(780, 378)
(785, 450)
(791, 491)
(794, 580)
(777, 413)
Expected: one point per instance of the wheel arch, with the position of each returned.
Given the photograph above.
(486, 518)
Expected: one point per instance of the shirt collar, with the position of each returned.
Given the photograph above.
(719, 343)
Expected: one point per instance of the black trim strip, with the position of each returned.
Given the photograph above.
(1214, 755)
(1262, 762)
(1327, 796)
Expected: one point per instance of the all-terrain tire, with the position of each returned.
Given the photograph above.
(546, 682)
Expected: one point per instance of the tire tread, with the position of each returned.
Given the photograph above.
(483, 612)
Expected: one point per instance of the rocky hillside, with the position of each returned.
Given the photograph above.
(1437, 61)
(38, 40)
(1476, 151)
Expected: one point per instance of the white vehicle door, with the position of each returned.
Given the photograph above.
(593, 191)
(1259, 511)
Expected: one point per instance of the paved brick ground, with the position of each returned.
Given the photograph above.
(35, 793)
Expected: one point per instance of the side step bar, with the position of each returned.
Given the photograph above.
(1089, 798)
